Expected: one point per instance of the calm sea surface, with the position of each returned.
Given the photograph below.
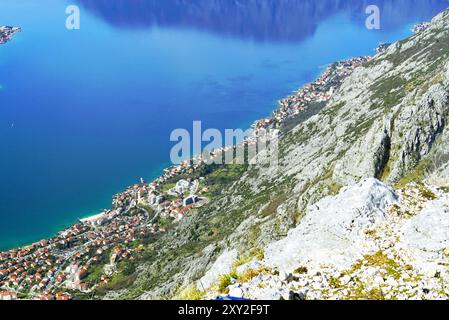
(85, 113)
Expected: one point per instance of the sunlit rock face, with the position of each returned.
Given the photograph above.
(333, 232)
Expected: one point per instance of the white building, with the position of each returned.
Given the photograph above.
(182, 186)
(190, 200)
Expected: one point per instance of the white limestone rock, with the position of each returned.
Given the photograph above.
(221, 266)
(426, 235)
(333, 230)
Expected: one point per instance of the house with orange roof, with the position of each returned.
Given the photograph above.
(8, 295)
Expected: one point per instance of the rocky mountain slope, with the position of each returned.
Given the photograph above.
(341, 217)
(366, 243)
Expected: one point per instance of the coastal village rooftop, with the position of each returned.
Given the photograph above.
(7, 32)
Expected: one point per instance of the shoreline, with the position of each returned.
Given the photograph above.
(277, 116)
(276, 119)
(114, 230)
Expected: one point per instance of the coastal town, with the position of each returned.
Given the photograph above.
(88, 254)
(419, 27)
(95, 251)
(321, 90)
(7, 32)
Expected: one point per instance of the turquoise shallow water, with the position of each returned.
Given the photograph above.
(85, 113)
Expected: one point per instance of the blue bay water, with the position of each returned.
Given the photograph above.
(85, 113)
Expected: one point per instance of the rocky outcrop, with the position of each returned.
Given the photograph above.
(221, 266)
(420, 127)
(367, 157)
(333, 231)
(368, 242)
(426, 235)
